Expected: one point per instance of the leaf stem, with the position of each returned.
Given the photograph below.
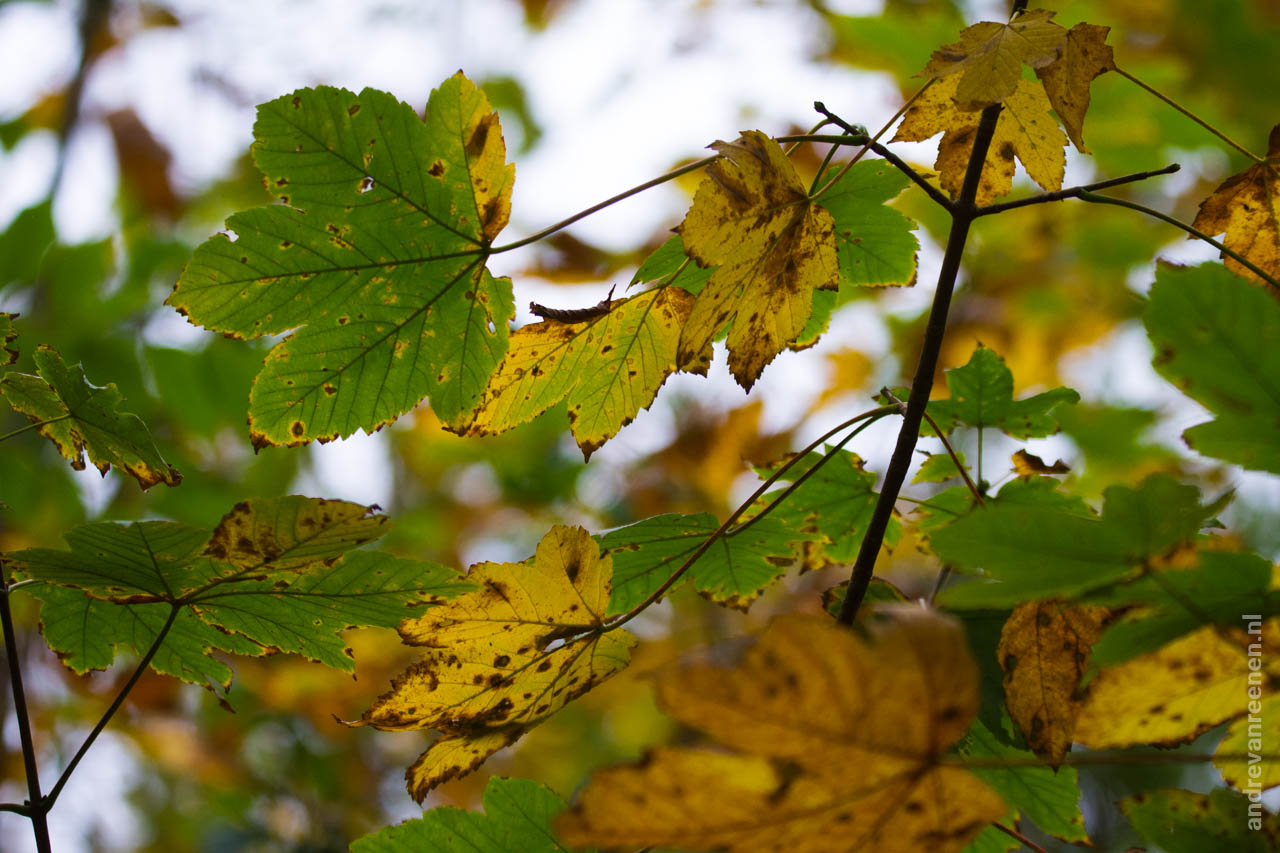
(1013, 833)
(115, 706)
(1074, 192)
(36, 807)
(963, 212)
(1194, 232)
(964, 472)
(737, 513)
(897, 162)
(33, 425)
(1186, 112)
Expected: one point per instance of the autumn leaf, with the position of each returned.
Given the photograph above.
(1044, 653)
(608, 368)
(374, 261)
(1175, 693)
(1186, 822)
(1029, 465)
(8, 334)
(501, 659)
(990, 56)
(1084, 55)
(276, 575)
(773, 247)
(1025, 130)
(808, 701)
(517, 819)
(79, 418)
(1212, 333)
(1246, 209)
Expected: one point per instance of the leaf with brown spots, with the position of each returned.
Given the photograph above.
(1044, 653)
(502, 659)
(1245, 208)
(834, 744)
(1175, 693)
(773, 247)
(1026, 130)
(374, 262)
(8, 335)
(991, 56)
(1179, 821)
(1085, 54)
(292, 584)
(79, 418)
(608, 368)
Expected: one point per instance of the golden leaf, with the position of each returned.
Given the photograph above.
(1246, 208)
(505, 657)
(1028, 465)
(1044, 652)
(753, 219)
(1175, 693)
(991, 56)
(1085, 55)
(608, 368)
(1025, 130)
(838, 742)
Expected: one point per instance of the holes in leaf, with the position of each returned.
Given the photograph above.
(365, 185)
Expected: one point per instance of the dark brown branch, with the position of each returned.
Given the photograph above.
(35, 802)
(963, 213)
(1074, 192)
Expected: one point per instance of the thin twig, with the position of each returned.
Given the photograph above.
(1074, 192)
(737, 513)
(93, 18)
(955, 458)
(115, 706)
(16, 808)
(893, 159)
(1194, 232)
(33, 425)
(962, 215)
(1013, 833)
(36, 804)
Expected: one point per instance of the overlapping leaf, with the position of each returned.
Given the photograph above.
(1213, 335)
(982, 396)
(1045, 551)
(773, 247)
(1025, 130)
(276, 575)
(375, 261)
(1186, 822)
(1084, 55)
(874, 243)
(517, 819)
(733, 571)
(505, 657)
(608, 368)
(808, 701)
(1246, 209)
(81, 418)
(990, 55)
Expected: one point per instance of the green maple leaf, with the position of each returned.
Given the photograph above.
(1214, 336)
(276, 575)
(982, 396)
(81, 418)
(374, 261)
(517, 819)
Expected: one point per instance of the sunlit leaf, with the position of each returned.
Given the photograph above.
(1084, 55)
(81, 418)
(808, 701)
(1211, 332)
(608, 368)
(375, 261)
(874, 243)
(501, 659)
(991, 56)
(1246, 209)
(753, 219)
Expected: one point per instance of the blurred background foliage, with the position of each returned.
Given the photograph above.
(1054, 289)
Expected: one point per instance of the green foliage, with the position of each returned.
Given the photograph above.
(982, 396)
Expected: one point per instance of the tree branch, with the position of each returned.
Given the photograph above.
(1074, 192)
(962, 216)
(1013, 833)
(36, 809)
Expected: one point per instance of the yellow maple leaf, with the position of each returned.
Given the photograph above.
(1085, 55)
(1025, 130)
(1044, 652)
(752, 218)
(1176, 692)
(1246, 208)
(608, 367)
(991, 56)
(838, 745)
(505, 657)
